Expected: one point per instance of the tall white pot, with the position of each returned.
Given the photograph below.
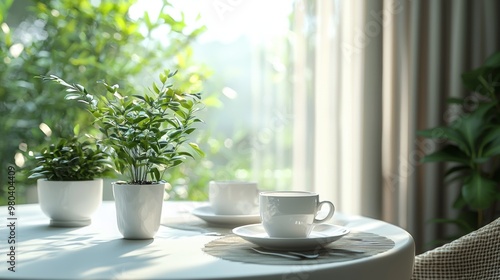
(138, 209)
(69, 203)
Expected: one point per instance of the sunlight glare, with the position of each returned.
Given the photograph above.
(229, 93)
(19, 160)
(5, 28)
(23, 147)
(227, 20)
(45, 129)
(16, 50)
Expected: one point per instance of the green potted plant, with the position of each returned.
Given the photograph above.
(69, 184)
(472, 145)
(146, 134)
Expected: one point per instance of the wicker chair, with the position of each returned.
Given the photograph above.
(473, 256)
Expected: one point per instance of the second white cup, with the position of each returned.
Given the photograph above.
(233, 197)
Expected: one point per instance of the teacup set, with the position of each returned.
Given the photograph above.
(273, 219)
(291, 214)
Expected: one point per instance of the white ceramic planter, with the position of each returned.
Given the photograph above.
(69, 203)
(138, 209)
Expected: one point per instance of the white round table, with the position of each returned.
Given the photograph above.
(98, 251)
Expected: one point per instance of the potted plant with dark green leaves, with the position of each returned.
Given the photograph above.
(147, 134)
(472, 145)
(69, 180)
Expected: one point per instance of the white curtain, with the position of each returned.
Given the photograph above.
(367, 75)
(342, 114)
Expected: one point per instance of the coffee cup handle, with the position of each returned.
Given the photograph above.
(330, 213)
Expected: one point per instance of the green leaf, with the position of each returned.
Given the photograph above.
(174, 134)
(163, 78)
(449, 153)
(448, 133)
(492, 135)
(147, 20)
(480, 160)
(492, 150)
(171, 74)
(155, 88)
(186, 154)
(156, 174)
(479, 192)
(493, 61)
(455, 169)
(76, 129)
(470, 79)
(72, 96)
(139, 97)
(470, 127)
(189, 131)
(197, 149)
(460, 202)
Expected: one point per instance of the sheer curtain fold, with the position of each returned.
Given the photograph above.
(382, 71)
(300, 132)
(349, 122)
(344, 115)
(326, 81)
(370, 98)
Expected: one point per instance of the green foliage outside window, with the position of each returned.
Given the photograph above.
(82, 41)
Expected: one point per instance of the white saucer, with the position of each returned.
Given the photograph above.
(206, 213)
(320, 236)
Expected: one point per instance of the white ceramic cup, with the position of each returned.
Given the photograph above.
(291, 214)
(233, 197)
